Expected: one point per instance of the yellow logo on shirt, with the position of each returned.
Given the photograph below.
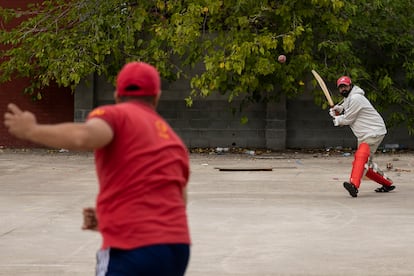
(162, 129)
(97, 112)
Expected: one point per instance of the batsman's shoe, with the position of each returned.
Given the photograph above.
(385, 189)
(353, 191)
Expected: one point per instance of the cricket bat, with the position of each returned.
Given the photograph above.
(324, 88)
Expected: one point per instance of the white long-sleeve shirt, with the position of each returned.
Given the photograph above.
(361, 116)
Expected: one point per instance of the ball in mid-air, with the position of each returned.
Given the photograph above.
(281, 59)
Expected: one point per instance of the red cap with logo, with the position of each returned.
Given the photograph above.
(138, 79)
(344, 80)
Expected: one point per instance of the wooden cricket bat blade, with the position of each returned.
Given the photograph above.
(324, 88)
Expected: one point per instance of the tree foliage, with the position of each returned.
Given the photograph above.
(237, 42)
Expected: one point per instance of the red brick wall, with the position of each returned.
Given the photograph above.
(56, 106)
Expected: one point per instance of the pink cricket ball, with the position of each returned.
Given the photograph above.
(281, 59)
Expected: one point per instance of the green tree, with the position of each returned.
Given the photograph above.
(238, 43)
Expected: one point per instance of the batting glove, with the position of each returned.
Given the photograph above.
(336, 120)
(336, 110)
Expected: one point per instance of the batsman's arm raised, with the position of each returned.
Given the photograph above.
(93, 134)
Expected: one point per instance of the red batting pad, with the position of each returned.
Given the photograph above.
(378, 177)
(358, 166)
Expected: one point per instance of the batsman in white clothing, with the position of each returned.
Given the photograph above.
(369, 128)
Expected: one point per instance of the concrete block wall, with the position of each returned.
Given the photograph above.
(288, 124)
(275, 128)
(311, 127)
(84, 99)
(210, 123)
(400, 136)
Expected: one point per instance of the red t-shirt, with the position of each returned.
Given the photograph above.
(142, 174)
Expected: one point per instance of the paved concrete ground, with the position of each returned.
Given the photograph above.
(294, 220)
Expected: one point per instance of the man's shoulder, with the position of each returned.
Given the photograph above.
(357, 96)
(101, 110)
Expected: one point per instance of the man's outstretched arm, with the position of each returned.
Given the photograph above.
(93, 134)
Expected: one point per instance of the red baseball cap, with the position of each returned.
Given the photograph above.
(343, 80)
(138, 79)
